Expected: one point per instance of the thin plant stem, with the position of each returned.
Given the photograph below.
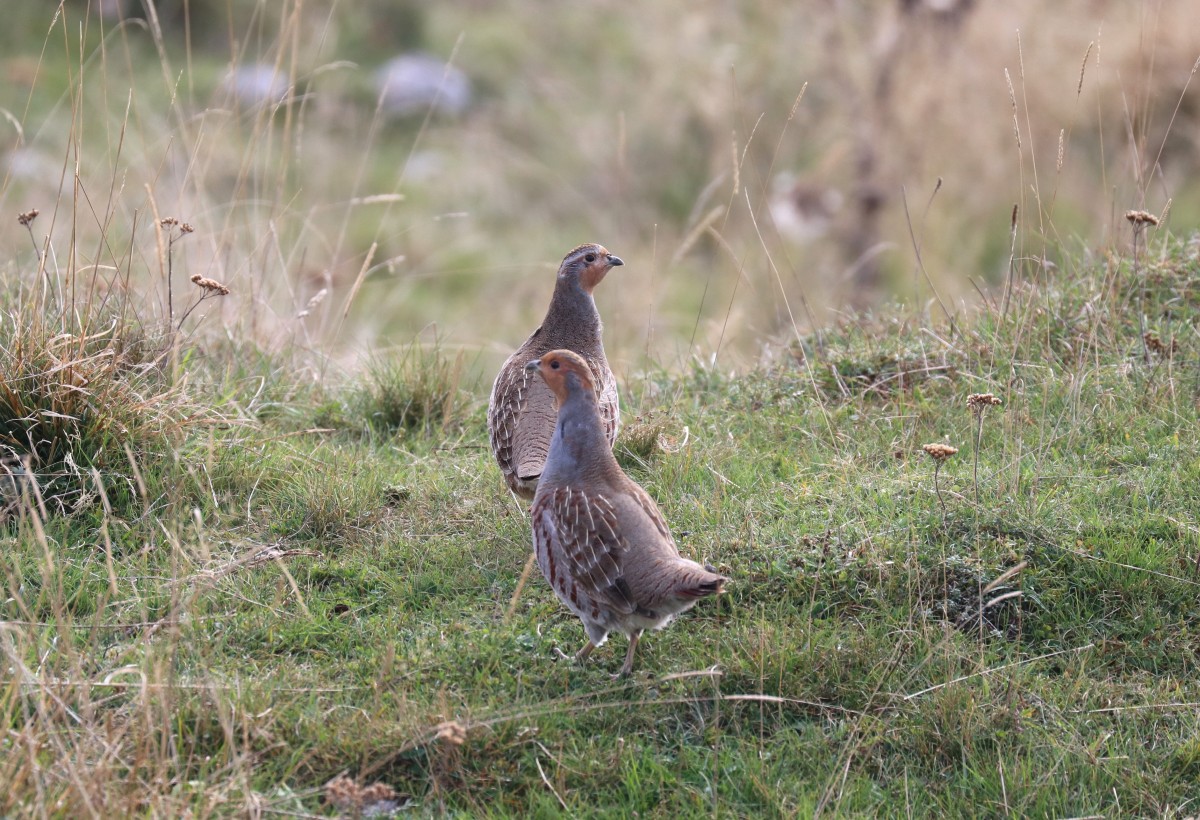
(1141, 291)
(978, 439)
(36, 248)
(170, 293)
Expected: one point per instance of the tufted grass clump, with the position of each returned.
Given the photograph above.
(418, 392)
(84, 398)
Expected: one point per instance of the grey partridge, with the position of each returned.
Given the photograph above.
(599, 538)
(521, 412)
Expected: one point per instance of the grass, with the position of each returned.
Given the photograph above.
(286, 602)
(255, 558)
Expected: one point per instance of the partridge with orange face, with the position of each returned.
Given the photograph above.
(599, 538)
(521, 411)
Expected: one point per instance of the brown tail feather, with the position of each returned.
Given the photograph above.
(706, 584)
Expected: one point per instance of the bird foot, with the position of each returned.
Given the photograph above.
(579, 657)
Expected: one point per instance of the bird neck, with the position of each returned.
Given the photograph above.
(579, 446)
(573, 312)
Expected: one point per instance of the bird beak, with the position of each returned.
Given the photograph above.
(615, 261)
(532, 366)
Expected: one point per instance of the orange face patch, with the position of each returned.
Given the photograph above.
(595, 272)
(555, 366)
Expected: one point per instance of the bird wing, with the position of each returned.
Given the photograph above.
(521, 418)
(647, 506)
(583, 526)
(503, 409)
(610, 403)
(534, 426)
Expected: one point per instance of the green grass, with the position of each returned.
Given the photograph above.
(288, 599)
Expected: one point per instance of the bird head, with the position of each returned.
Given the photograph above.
(589, 264)
(563, 371)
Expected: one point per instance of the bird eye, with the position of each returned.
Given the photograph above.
(554, 364)
(590, 258)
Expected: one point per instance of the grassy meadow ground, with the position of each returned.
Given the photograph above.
(261, 584)
(255, 558)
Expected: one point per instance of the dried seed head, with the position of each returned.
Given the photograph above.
(452, 732)
(939, 452)
(978, 402)
(1012, 98)
(185, 227)
(375, 800)
(377, 793)
(1139, 218)
(210, 285)
(317, 299)
(168, 221)
(27, 217)
(1083, 68)
(342, 792)
(1157, 345)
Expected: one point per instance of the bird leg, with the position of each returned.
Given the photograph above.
(627, 667)
(578, 657)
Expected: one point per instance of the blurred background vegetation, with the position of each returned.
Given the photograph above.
(762, 167)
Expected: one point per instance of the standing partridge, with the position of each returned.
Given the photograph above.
(599, 538)
(521, 412)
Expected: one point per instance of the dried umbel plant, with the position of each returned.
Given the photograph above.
(176, 230)
(979, 403)
(378, 799)
(451, 732)
(26, 218)
(211, 287)
(939, 453)
(1141, 220)
(1157, 345)
(172, 222)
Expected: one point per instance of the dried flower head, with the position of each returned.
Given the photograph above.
(939, 452)
(186, 227)
(1139, 218)
(377, 793)
(978, 402)
(168, 221)
(27, 217)
(210, 285)
(342, 792)
(345, 793)
(452, 732)
(1157, 345)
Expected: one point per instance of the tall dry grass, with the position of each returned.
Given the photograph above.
(673, 134)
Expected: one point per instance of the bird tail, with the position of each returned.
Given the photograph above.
(701, 582)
